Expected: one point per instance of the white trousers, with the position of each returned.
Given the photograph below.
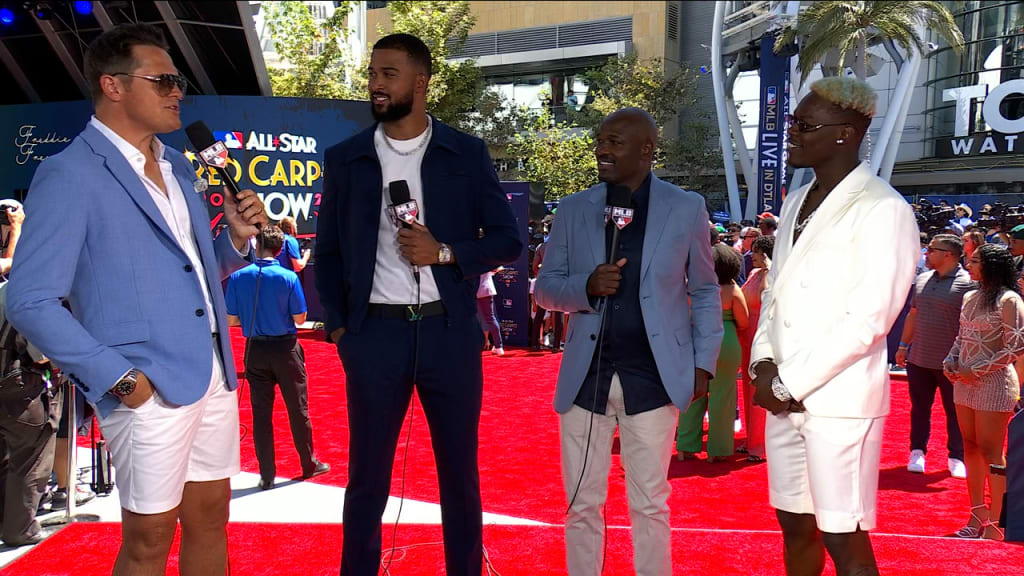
(646, 451)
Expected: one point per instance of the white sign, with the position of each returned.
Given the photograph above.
(1006, 130)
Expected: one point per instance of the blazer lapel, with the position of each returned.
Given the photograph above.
(658, 210)
(198, 213)
(594, 223)
(832, 209)
(119, 167)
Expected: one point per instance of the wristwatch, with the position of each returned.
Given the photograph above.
(126, 385)
(444, 254)
(779, 390)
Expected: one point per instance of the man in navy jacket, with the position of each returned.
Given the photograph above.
(400, 302)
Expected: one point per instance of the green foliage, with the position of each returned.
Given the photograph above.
(316, 64)
(849, 27)
(496, 119)
(559, 156)
(629, 81)
(455, 88)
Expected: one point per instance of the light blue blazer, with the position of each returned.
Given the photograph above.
(93, 235)
(676, 265)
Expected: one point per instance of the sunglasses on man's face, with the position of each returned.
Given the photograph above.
(165, 83)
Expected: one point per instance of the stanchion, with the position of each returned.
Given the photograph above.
(72, 488)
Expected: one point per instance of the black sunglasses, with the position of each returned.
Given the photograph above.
(165, 83)
(802, 126)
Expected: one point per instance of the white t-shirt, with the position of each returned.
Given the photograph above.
(393, 281)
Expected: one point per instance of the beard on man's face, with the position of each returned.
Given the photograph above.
(394, 110)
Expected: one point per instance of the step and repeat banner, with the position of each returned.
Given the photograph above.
(276, 146)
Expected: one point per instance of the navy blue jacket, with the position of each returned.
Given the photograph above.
(462, 195)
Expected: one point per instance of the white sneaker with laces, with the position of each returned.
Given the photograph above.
(957, 468)
(916, 463)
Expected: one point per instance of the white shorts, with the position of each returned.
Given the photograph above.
(825, 466)
(158, 447)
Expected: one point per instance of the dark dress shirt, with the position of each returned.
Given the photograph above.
(624, 347)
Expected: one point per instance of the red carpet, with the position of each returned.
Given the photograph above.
(519, 440)
(519, 467)
(315, 550)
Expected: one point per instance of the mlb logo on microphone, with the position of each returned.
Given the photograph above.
(506, 302)
(771, 95)
(233, 140)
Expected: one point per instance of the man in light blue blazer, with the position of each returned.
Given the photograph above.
(118, 230)
(643, 339)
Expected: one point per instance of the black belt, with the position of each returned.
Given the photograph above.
(281, 338)
(408, 312)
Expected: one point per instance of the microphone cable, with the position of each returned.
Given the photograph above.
(603, 303)
(412, 414)
(252, 326)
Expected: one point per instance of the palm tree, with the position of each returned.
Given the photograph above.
(848, 26)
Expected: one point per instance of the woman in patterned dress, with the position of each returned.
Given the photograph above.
(986, 387)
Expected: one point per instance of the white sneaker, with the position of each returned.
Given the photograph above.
(498, 351)
(737, 425)
(916, 463)
(957, 468)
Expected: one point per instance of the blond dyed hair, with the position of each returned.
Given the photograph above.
(848, 93)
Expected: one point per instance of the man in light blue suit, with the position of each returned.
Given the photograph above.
(643, 340)
(118, 230)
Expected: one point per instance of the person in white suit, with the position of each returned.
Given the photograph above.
(819, 354)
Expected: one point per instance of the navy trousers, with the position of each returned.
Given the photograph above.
(378, 364)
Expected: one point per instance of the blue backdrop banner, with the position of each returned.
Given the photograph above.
(276, 145)
(771, 141)
(513, 283)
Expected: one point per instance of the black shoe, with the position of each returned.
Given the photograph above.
(266, 484)
(321, 468)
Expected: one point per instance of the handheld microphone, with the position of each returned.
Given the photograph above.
(212, 152)
(619, 212)
(403, 211)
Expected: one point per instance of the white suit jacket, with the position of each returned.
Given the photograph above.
(831, 299)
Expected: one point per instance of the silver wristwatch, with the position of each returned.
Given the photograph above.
(779, 390)
(126, 385)
(444, 254)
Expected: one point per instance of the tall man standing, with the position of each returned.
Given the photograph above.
(651, 360)
(819, 354)
(408, 295)
(143, 344)
(929, 332)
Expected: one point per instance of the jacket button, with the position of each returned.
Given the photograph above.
(593, 336)
(199, 312)
(188, 267)
(84, 387)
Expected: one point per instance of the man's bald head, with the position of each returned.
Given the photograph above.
(637, 118)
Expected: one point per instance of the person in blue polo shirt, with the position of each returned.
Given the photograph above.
(291, 256)
(266, 300)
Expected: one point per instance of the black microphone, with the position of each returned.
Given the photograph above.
(618, 212)
(403, 211)
(212, 152)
